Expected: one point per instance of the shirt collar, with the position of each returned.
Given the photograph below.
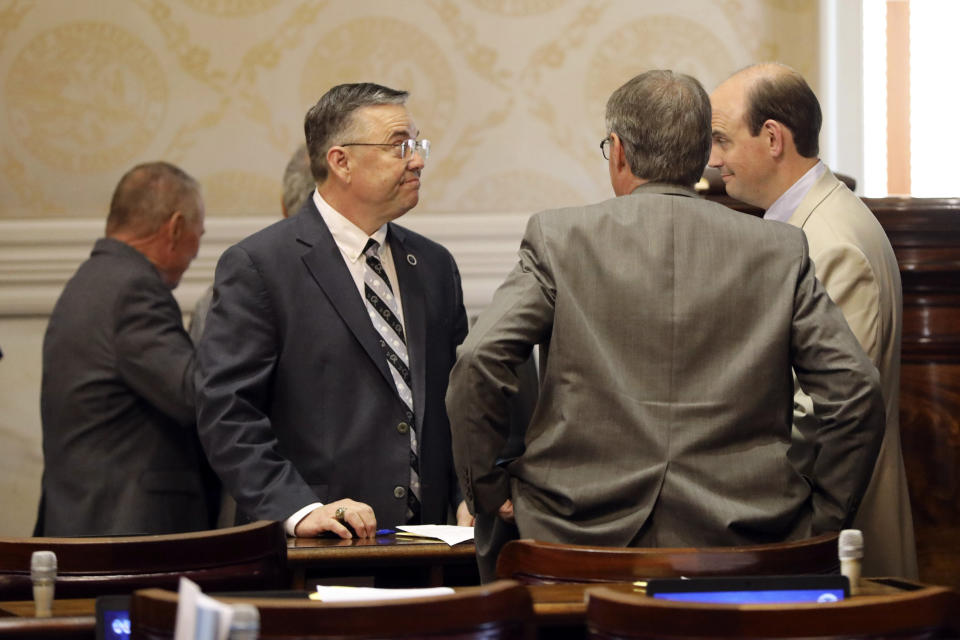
(784, 206)
(350, 238)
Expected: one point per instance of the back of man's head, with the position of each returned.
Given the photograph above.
(147, 195)
(330, 121)
(298, 181)
(780, 93)
(664, 120)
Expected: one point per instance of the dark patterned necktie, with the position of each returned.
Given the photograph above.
(383, 309)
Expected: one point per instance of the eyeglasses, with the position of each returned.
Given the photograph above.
(605, 145)
(403, 150)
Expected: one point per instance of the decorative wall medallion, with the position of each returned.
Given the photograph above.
(232, 8)
(86, 96)
(656, 42)
(518, 7)
(389, 52)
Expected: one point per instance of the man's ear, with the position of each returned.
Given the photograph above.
(617, 153)
(775, 135)
(338, 163)
(175, 227)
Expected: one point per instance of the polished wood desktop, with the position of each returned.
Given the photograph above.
(72, 618)
(389, 561)
(559, 609)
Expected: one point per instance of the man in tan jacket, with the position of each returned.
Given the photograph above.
(766, 121)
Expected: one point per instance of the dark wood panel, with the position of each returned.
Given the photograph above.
(925, 234)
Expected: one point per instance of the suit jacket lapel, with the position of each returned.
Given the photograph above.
(325, 263)
(413, 298)
(822, 188)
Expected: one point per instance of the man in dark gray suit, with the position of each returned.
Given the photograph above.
(121, 454)
(325, 358)
(665, 404)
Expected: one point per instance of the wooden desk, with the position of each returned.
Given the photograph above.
(72, 618)
(560, 609)
(387, 561)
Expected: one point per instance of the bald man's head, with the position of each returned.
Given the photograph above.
(777, 92)
(766, 125)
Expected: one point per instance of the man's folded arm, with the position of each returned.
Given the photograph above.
(485, 376)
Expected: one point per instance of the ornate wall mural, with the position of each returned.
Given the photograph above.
(511, 92)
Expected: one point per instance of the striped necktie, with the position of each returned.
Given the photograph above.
(382, 307)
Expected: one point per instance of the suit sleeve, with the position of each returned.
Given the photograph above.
(485, 377)
(845, 390)
(851, 283)
(237, 357)
(460, 325)
(155, 356)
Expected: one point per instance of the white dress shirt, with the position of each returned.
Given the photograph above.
(789, 200)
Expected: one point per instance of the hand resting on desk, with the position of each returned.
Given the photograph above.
(358, 515)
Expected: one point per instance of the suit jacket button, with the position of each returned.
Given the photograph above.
(399, 492)
(403, 427)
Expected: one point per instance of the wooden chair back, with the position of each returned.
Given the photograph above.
(501, 610)
(532, 562)
(251, 556)
(924, 613)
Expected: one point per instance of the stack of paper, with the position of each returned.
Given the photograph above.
(354, 594)
(450, 534)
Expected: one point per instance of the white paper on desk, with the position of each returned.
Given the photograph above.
(449, 533)
(355, 594)
(191, 604)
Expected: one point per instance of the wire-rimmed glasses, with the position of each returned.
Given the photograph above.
(403, 150)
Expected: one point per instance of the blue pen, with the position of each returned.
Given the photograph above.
(385, 532)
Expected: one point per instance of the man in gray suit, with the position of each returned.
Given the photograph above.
(673, 323)
(121, 453)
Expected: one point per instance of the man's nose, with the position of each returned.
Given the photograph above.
(716, 158)
(416, 161)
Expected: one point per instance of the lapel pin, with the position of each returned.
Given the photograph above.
(412, 259)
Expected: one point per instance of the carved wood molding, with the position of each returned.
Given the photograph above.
(37, 257)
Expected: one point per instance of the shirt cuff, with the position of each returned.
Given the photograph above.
(290, 524)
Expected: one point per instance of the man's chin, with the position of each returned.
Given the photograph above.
(731, 187)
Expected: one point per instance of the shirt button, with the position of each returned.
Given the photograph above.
(399, 492)
(403, 427)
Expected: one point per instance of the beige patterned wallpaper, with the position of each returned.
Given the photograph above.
(511, 92)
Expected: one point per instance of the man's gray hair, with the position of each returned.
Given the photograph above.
(328, 122)
(148, 194)
(663, 119)
(298, 181)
